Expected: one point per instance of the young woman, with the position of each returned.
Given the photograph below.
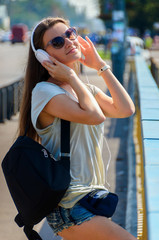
(54, 91)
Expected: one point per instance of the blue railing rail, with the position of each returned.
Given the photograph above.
(148, 101)
(155, 69)
(9, 99)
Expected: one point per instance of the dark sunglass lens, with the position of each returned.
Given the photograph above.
(71, 33)
(58, 42)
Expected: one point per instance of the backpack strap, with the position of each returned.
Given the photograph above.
(28, 229)
(19, 221)
(65, 139)
(30, 233)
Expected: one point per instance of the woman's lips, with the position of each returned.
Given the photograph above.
(71, 51)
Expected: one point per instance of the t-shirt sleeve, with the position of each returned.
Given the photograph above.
(93, 89)
(41, 95)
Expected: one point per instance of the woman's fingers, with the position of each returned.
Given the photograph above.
(57, 70)
(47, 65)
(89, 41)
(82, 48)
(51, 74)
(54, 60)
(82, 51)
(83, 42)
(52, 66)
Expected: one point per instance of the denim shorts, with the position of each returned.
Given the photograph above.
(63, 218)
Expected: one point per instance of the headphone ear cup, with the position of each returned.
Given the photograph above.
(42, 56)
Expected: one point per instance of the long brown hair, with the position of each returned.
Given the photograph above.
(35, 73)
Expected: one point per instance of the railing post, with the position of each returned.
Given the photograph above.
(15, 97)
(9, 101)
(10, 96)
(3, 104)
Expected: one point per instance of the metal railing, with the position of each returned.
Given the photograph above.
(9, 99)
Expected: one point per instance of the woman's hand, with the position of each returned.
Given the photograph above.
(58, 70)
(86, 110)
(91, 56)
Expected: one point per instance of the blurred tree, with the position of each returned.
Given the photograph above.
(31, 11)
(106, 7)
(141, 14)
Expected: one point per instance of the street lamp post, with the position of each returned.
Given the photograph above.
(118, 39)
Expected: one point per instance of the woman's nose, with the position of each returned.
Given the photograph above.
(68, 42)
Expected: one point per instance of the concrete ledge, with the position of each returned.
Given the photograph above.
(149, 108)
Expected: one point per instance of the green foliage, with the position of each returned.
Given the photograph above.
(104, 55)
(106, 7)
(142, 13)
(28, 11)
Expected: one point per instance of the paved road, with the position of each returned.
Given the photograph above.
(116, 133)
(12, 61)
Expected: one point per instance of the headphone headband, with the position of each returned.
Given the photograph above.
(40, 54)
(32, 36)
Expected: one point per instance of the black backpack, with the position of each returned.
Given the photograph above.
(37, 182)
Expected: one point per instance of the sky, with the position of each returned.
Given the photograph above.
(92, 11)
(90, 6)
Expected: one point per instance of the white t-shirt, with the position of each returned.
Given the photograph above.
(86, 142)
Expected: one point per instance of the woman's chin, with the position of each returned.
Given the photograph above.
(72, 60)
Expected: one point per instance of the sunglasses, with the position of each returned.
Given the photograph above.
(58, 42)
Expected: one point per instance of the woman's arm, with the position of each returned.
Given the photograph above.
(119, 104)
(86, 110)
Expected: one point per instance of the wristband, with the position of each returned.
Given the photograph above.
(104, 68)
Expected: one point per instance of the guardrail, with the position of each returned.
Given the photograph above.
(155, 69)
(9, 99)
(147, 152)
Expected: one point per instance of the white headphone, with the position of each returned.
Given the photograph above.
(40, 54)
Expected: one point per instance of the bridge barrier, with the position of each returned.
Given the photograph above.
(9, 99)
(155, 69)
(146, 135)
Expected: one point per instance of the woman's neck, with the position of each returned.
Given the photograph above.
(65, 86)
(55, 81)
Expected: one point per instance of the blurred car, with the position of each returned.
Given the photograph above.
(5, 36)
(19, 33)
(1, 34)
